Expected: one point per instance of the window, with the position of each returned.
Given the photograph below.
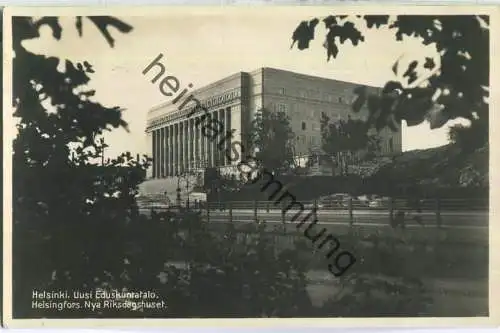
(282, 108)
(281, 91)
(391, 145)
(313, 94)
(303, 126)
(340, 99)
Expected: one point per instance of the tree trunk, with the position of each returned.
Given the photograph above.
(334, 164)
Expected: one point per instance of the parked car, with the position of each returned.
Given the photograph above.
(310, 205)
(197, 196)
(339, 200)
(364, 200)
(379, 202)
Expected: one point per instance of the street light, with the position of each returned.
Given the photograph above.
(184, 175)
(178, 190)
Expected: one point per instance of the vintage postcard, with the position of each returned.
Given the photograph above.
(299, 165)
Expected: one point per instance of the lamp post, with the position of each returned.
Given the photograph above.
(178, 190)
(184, 175)
(187, 190)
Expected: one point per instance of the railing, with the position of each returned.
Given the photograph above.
(444, 212)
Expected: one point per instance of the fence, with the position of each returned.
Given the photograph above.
(444, 212)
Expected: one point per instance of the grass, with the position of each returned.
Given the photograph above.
(446, 253)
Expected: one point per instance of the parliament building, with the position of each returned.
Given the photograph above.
(178, 145)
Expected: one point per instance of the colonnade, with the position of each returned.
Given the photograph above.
(181, 146)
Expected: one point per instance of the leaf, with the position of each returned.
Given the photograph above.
(376, 20)
(429, 63)
(331, 48)
(304, 33)
(410, 73)
(102, 23)
(392, 87)
(351, 33)
(395, 67)
(53, 23)
(329, 21)
(88, 67)
(89, 93)
(361, 93)
(78, 25)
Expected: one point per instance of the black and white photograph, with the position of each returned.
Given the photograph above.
(247, 163)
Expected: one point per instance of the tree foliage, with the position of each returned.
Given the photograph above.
(65, 205)
(247, 276)
(453, 85)
(344, 140)
(271, 137)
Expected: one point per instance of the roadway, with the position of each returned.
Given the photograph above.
(373, 218)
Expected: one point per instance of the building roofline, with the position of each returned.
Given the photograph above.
(322, 78)
(263, 69)
(201, 89)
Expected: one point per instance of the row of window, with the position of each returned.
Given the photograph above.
(281, 107)
(309, 140)
(314, 126)
(309, 93)
(315, 141)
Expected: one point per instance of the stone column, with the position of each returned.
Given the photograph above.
(235, 115)
(186, 145)
(220, 138)
(191, 144)
(227, 161)
(171, 158)
(208, 147)
(181, 147)
(176, 149)
(203, 148)
(166, 152)
(161, 154)
(154, 153)
(158, 152)
(196, 137)
(149, 144)
(215, 149)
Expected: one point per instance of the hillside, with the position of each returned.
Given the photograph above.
(445, 166)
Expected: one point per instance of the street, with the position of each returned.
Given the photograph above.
(451, 219)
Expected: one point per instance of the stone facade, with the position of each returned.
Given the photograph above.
(178, 146)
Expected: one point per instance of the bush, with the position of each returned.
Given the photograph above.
(224, 277)
(196, 273)
(376, 296)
